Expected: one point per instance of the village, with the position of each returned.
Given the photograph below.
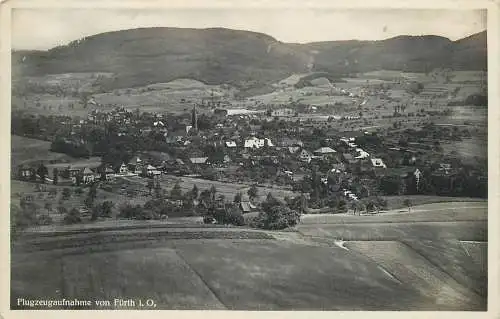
(330, 164)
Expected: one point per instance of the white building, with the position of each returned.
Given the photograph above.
(257, 142)
(377, 162)
(231, 144)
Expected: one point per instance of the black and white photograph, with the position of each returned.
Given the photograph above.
(246, 158)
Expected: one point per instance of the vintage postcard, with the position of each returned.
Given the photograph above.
(249, 157)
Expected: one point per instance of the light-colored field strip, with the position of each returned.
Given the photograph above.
(412, 269)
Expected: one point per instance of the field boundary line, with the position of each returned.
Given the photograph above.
(214, 293)
(453, 281)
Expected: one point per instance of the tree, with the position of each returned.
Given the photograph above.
(66, 193)
(55, 173)
(102, 210)
(150, 186)
(79, 179)
(48, 206)
(354, 207)
(73, 217)
(194, 192)
(269, 203)
(176, 192)
(213, 191)
(237, 198)
(407, 203)
(276, 218)
(42, 172)
(92, 194)
(341, 206)
(299, 204)
(253, 192)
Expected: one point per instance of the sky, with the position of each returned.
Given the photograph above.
(42, 29)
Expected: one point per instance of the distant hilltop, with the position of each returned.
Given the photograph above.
(139, 57)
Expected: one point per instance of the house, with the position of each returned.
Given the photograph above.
(283, 113)
(25, 173)
(324, 151)
(362, 154)
(254, 142)
(377, 162)
(135, 165)
(305, 156)
(73, 172)
(158, 124)
(150, 171)
(108, 173)
(231, 144)
(198, 160)
(88, 176)
(123, 169)
(246, 205)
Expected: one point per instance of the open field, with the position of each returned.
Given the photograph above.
(437, 212)
(415, 270)
(468, 149)
(403, 264)
(396, 202)
(464, 230)
(466, 262)
(220, 274)
(27, 150)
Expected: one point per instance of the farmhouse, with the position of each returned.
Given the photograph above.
(324, 151)
(25, 173)
(108, 173)
(150, 171)
(123, 169)
(88, 175)
(305, 156)
(254, 142)
(377, 162)
(198, 160)
(362, 154)
(231, 144)
(135, 165)
(283, 112)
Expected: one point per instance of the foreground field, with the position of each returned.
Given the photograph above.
(377, 264)
(218, 274)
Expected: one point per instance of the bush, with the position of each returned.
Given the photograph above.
(73, 217)
(130, 211)
(278, 217)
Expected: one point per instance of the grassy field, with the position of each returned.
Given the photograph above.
(415, 270)
(27, 150)
(463, 230)
(464, 261)
(245, 275)
(159, 274)
(396, 202)
(437, 212)
(387, 264)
